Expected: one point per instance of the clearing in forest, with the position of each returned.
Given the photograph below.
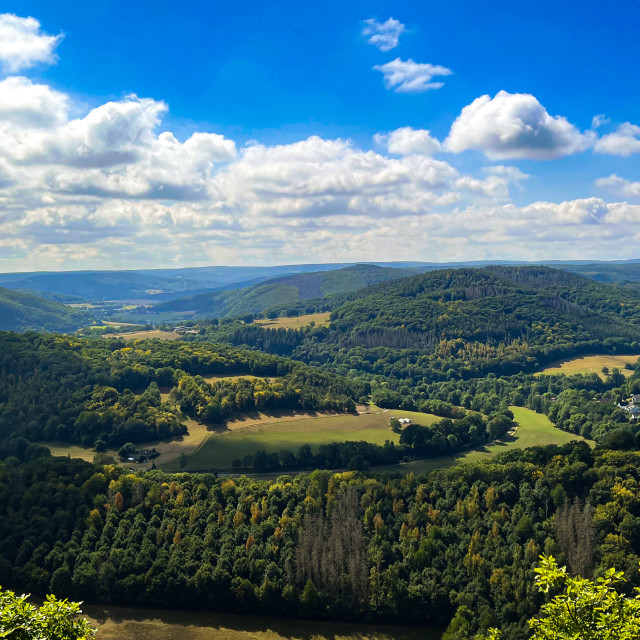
(534, 429)
(591, 364)
(246, 436)
(168, 449)
(298, 322)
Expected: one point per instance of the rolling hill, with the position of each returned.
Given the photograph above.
(284, 291)
(21, 311)
(162, 285)
(462, 322)
(154, 285)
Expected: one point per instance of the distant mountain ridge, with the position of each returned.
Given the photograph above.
(285, 290)
(154, 285)
(161, 285)
(20, 311)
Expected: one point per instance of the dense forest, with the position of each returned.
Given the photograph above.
(456, 548)
(455, 323)
(107, 392)
(21, 311)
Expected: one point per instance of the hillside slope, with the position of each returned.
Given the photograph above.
(20, 311)
(281, 292)
(460, 322)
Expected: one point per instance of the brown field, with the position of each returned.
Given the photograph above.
(145, 335)
(74, 451)
(122, 623)
(321, 320)
(590, 364)
(110, 323)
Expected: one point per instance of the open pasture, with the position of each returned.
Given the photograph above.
(534, 429)
(248, 435)
(590, 364)
(320, 320)
(168, 449)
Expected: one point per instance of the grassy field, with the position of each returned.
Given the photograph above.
(65, 449)
(534, 429)
(121, 623)
(168, 449)
(320, 319)
(590, 364)
(144, 335)
(206, 448)
(248, 435)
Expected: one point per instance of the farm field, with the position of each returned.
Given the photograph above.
(534, 429)
(247, 436)
(144, 335)
(168, 449)
(591, 364)
(210, 448)
(65, 449)
(320, 319)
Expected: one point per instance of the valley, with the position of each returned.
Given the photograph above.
(422, 413)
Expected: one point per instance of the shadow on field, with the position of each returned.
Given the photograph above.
(127, 623)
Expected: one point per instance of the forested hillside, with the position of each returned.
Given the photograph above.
(284, 291)
(456, 548)
(21, 311)
(458, 323)
(107, 391)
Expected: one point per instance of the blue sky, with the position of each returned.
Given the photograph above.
(301, 163)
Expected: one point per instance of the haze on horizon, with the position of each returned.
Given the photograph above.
(161, 135)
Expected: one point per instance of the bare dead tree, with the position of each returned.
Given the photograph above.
(575, 534)
(332, 551)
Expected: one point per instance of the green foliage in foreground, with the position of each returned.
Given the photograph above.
(585, 610)
(54, 620)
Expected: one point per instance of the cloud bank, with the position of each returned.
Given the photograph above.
(112, 187)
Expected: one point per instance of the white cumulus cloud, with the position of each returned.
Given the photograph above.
(406, 141)
(622, 142)
(407, 76)
(87, 188)
(27, 104)
(23, 44)
(515, 126)
(619, 186)
(384, 35)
